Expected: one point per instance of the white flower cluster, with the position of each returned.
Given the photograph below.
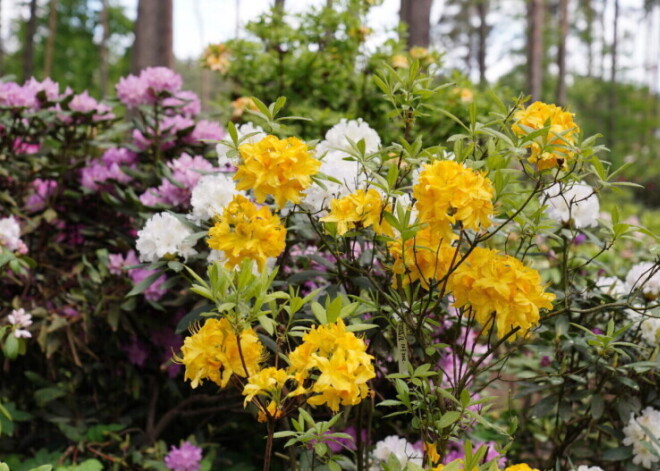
(646, 276)
(10, 235)
(164, 234)
(641, 442)
(404, 451)
(210, 196)
(242, 131)
(20, 320)
(611, 286)
(651, 331)
(336, 162)
(589, 468)
(576, 203)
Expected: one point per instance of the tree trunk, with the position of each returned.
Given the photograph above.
(611, 122)
(103, 50)
(279, 4)
(153, 35)
(417, 15)
(50, 42)
(28, 49)
(561, 52)
(536, 10)
(589, 13)
(482, 9)
(2, 46)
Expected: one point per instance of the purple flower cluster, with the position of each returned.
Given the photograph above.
(186, 172)
(42, 191)
(118, 263)
(108, 167)
(151, 84)
(13, 95)
(173, 129)
(185, 458)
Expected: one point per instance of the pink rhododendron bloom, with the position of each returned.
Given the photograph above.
(132, 91)
(42, 190)
(185, 458)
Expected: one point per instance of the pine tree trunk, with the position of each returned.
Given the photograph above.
(611, 122)
(561, 52)
(589, 11)
(28, 49)
(536, 10)
(417, 15)
(2, 46)
(153, 35)
(103, 50)
(482, 9)
(50, 42)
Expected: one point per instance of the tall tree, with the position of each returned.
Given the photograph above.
(482, 11)
(611, 122)
(153, 35)
(536, 11)
(28, 50)
(103, 48)
(50, 41)
(561, 52)
(417, 15)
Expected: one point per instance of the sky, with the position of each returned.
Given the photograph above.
(200, 22)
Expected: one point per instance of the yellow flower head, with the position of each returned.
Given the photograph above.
(245, 231)
(425, 257)
(282, 168)
(492, 282)
(555, 148)
(431, 451)
(362, 207)
(520, 467)
(266, 382)
(399, 61)
(217, 57)
(449, 192)
(342, 362)
(240, 104)
(212, 353)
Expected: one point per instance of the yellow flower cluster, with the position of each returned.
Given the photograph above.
(492, 282)
(520, 467)
(555, 148)
(269, 383)
(449, 192)
(362, 207)
(240, 105)
(213, 353)
(425, 257)
(282, 168)
(245, 231)
(342, 363)
(217, 57)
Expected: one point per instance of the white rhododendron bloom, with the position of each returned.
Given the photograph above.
(639, 439)
(242, 131)
(646, 276)
(651, 331)
(589, 468)
(577, 203)
(347, 172)
(210, 196)
(340, 136)
(612, 286)
(164, 234)
(10, 234)
(20, 319)
(404, 451)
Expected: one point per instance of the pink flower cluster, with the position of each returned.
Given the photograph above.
(185, 458)
(108, 167)
(186, 172)
(173, 129)
(117, 266)
(13, 95)
(145, 89)
(42, 191)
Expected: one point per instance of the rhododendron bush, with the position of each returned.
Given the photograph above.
(180, 294)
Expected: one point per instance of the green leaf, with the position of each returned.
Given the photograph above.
(45, 395)
(618, 454)
(448, 419)
(144, 284)
(10, 347)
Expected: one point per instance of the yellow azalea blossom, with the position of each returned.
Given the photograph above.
(342, 364)
(467, 96)
(425, 257)
(448, 192)
(399, 61)
(362, 207)
(423, 55)
(281, 168)
(492, 282)
(217, 57)
(520, 467)
(245, 231)
(431, 451)
(240, 104)
(555, 148)
(273, 410)
(212, 353)
(266, 382)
